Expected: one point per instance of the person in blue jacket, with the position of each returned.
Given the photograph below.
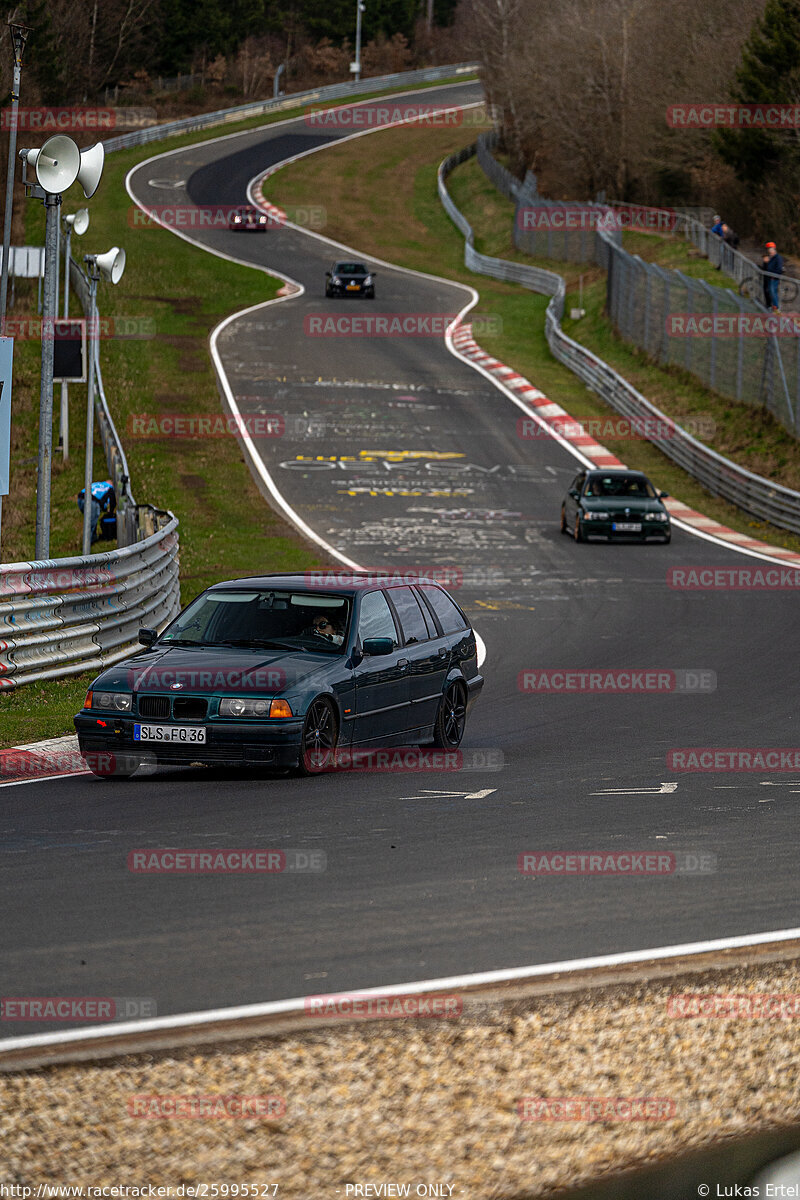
(772, 266)
(103, 510)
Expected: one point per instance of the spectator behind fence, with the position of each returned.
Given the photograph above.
(772, 266)
(717, 226)
(729, 237)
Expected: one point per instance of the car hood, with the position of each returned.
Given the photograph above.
(219, 671)
(616, 504)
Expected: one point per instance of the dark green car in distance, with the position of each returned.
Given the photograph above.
(616, 505)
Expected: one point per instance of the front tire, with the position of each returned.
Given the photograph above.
(577, 532)
(451, 718)
(563, 519)
(320, 738)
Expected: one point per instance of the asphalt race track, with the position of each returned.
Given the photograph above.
(398, 454)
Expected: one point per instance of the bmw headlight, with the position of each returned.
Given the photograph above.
(336, 279)
(594, 515)
(367, 280)
(236, 706)
(120, 701)
(657, 516)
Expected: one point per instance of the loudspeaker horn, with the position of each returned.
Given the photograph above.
(111, 264)
(79, 221)
(91, 168)
(56, 164)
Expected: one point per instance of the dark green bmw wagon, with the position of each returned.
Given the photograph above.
(286, 671)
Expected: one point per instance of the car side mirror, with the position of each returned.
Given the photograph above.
(574, 493)
(148, 636)
(377, 647)
(663, 495)
(327, 274)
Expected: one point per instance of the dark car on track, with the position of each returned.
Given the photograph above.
(349, 279)
(248, 218)
(615, 504)
(287, 671)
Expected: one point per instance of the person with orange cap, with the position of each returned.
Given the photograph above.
(772, 267)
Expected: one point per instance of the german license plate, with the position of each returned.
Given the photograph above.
(353, 287)
(169, 733)
(626, 527)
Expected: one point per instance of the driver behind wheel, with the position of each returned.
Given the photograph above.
(328, 628)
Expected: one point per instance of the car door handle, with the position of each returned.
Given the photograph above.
(402, 663)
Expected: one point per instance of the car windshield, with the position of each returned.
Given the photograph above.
(348, 268)
(620, 485)
(264, 619)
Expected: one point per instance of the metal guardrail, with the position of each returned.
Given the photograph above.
(756, 495)
(661, 311)
(70, 615)
(334, 91)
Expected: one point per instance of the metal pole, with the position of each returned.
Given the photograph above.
(56, 287)
(19, 35)
(87, 477)
(49, 313)
(64, 423)
(276, 82)
(359, 9)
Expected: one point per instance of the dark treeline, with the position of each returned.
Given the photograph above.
(584, 87)
(79, 48)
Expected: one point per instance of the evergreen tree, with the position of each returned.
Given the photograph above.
(769, 74)
(45, 61)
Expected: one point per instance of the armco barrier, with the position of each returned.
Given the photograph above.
(752, 493)
(334, 91)
(68, 615)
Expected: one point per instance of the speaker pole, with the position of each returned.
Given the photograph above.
(87, 478)
(64, 422)
(52, 202)
(19, 35)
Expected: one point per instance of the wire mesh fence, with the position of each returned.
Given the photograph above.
(753, 493)
(729, 341)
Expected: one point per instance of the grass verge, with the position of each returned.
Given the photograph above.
(382, 200)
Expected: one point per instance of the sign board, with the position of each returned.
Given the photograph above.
(69, 350)
(6, 360)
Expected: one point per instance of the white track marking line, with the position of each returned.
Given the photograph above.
(43, 778)
(464, 980)
(449, 983)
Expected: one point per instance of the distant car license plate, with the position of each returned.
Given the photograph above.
(169, 733)
(354, 287)
(626, 527)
